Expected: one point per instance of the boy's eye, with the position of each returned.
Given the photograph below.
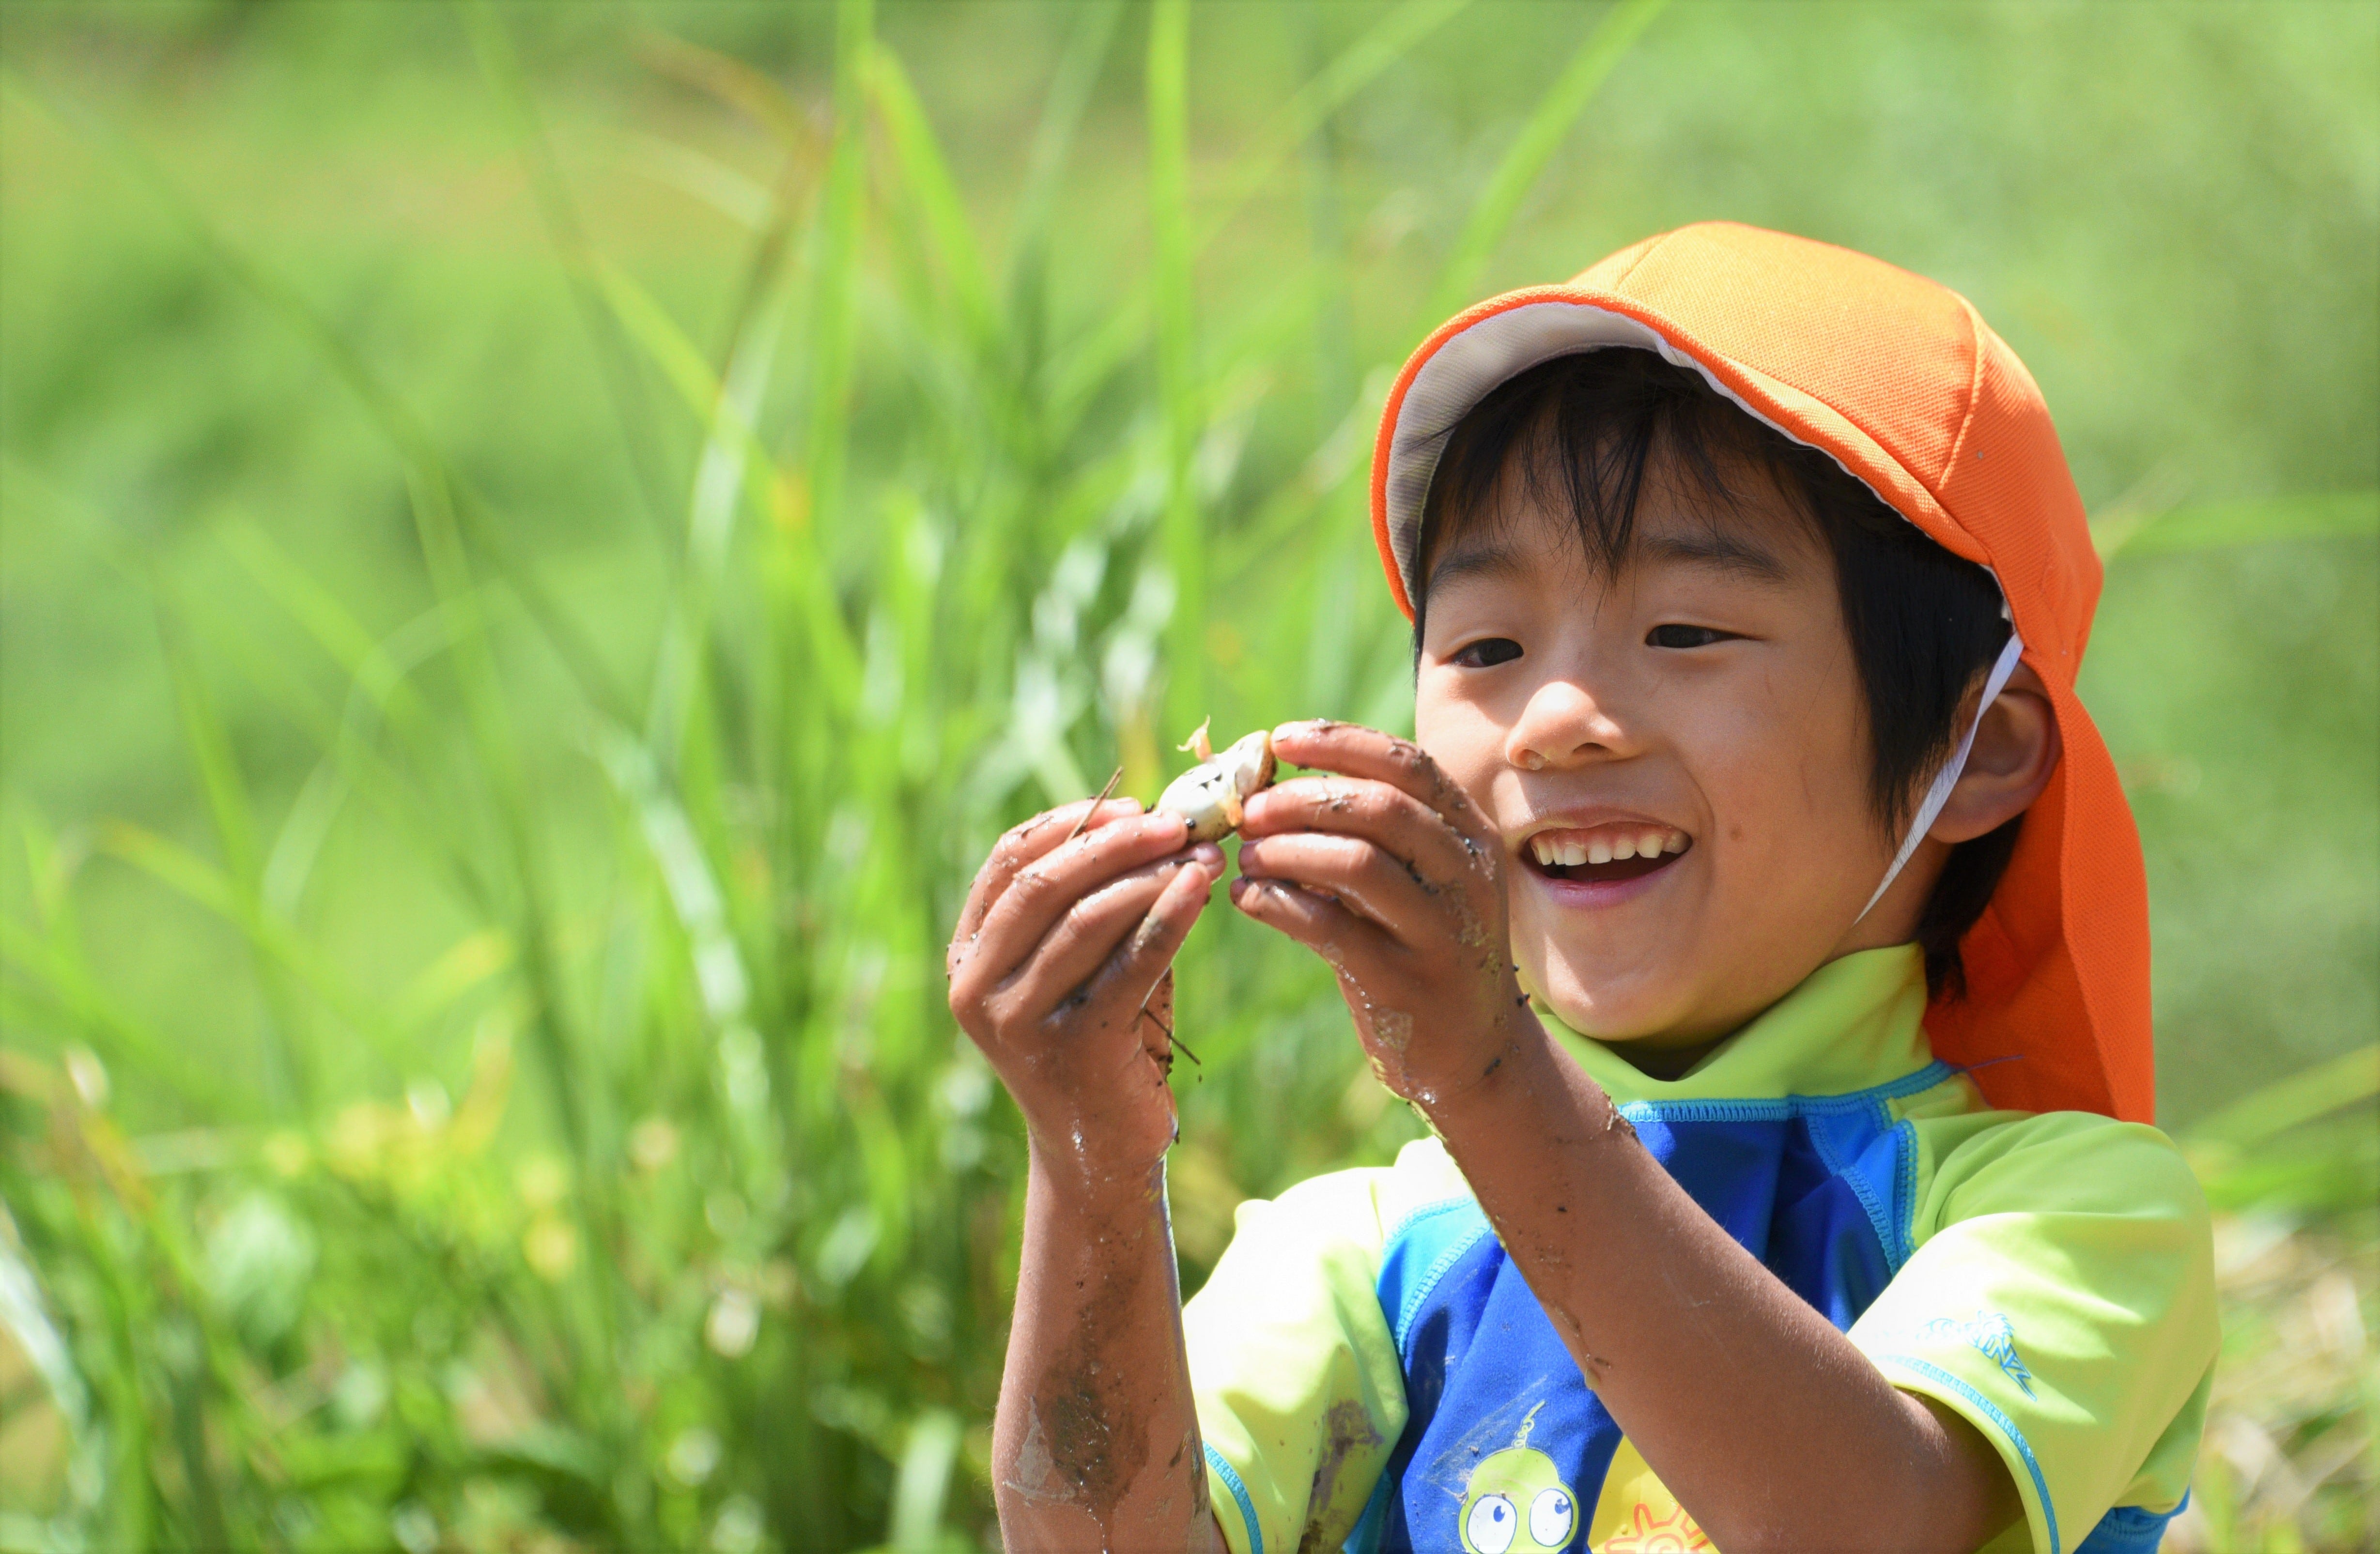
(1685, 637)
(1485, 652)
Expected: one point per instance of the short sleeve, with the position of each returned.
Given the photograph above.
(1299, 1391)
(2063, 1303)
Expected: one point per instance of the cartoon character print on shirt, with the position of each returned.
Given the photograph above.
(1515, 1502)
(1673, 1534)
(1636, 1514)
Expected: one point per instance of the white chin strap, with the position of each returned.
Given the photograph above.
(1947, 778)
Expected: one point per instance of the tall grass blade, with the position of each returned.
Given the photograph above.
(923, 1480)
(2217, 525)
(927, 176)
(1089, 364)
(317, 610)
(750, 92)
(1184, 540)
(77, 1005)
(725, 415)
(380, 693)
(275, 943)
(720, 487)
(1525, 158)
(832, 317)
(2265, 1113)
(491, 45)
(717, 962)
(1068, 99)
(289, 1075)
(1257, 166)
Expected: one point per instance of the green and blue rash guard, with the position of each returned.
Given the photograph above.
(1371, 1369)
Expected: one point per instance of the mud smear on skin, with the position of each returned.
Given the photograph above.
(1088, 1448)
(1553, 1257)
(1594, 1365)
(1034, 1474)
(1099, 1445)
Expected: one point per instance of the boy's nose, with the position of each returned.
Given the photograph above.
(1563, 725)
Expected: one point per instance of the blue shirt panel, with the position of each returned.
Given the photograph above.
(1820, 1191)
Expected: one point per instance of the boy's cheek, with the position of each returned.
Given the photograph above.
(1469, 749)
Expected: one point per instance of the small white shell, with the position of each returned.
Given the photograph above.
(1209, 794)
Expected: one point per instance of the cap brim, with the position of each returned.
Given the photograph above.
(1466, 358)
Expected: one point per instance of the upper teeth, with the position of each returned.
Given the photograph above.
(1553, 853)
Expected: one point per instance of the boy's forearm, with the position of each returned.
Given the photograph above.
(1761, 1417)
(1095, 1444)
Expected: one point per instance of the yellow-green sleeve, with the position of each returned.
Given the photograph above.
(1299, 1392)
(2062, 1299)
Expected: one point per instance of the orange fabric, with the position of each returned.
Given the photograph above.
(1902, 383)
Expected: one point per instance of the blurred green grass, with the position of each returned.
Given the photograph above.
(485, 800)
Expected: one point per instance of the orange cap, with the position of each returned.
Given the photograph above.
(1903, 384)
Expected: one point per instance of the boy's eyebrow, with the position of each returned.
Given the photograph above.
(1480, 558)
(1714, 549)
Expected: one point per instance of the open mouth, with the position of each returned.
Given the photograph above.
(1605, 854)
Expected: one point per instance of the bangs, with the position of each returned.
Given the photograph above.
(1579, 436)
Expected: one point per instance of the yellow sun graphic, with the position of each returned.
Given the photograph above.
(1673, 1534)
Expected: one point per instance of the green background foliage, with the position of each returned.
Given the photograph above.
(539, 544)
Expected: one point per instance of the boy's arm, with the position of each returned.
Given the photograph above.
(1767, 1425)
(1057, 971)
(1763, 1419)
(1095, 1444)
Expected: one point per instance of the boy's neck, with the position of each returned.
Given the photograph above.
(1661, 1061)
(1849, 1023)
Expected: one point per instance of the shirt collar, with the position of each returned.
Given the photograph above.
(1853, 1024)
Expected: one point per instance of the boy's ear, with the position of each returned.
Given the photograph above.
(2016, 747)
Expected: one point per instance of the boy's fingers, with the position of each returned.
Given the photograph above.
(1370, 882)
(1088, 933)
(1039, 892)
(1384, 815)
(1129, 980)
(1321, 925)
(1022, 844)
(1354, 751)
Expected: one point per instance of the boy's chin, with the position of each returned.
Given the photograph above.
(1638, 1007)
(1662, 1006)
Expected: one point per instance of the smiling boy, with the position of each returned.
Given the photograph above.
(1757, 924)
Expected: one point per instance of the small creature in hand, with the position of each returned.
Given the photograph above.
(1209, 794)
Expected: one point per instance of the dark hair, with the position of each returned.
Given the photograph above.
(1581, 432)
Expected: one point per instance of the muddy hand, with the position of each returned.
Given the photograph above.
(1385, 869)
(1065, 936)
